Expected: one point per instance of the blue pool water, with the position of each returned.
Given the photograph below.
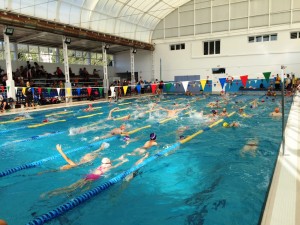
(205, 181)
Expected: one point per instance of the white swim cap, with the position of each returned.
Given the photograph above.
(105, 161)
(105, 145)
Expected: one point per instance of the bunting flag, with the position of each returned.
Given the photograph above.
(222, 81)
(153, 88)
(185, 85)
(89, 90)
(2, 88)
(16, 89)
(255, 81)
(100, 90)
(203, 83)
(138, 88)
(112, 90)
(69, 91)
(78, 91)
(32, 90)
(58, 90)
(39, 90)
(48, 90)
(8, 88)
(168, 86)
(244, 79)
(267, 76)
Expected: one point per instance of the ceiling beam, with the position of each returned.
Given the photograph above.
(17, 20)
(30, 37)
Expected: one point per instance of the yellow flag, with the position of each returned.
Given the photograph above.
(23, 90)
(69, 91)
(203, 83)
(125, 89)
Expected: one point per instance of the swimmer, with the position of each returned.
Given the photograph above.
(250, 147)
(106, 165)
(20, 118)
(233, 124)
(224, 112)
(242, 113)
(276, 112)
(2, 222)
(110, 117)
(174, 112)
(90, 108)
(84, 159)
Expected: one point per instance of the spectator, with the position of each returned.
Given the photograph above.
(59, 72)
(71, 74)
(96, 73)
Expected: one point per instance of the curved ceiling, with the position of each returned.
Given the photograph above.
(132, 19)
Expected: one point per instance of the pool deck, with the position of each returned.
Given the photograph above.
(283, 203)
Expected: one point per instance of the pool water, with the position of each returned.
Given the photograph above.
(207, 180)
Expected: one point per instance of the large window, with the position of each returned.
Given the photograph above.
(262, 38)
(211, 47)
(295, 35)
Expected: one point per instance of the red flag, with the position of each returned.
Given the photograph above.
(39, 90)
(244, 79)
(89, 89)
(153, 88)
(2, 88)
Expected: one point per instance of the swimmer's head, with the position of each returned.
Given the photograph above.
(90, 105)
(2, 222)
(126, 138)
(122, 127)
(181, 137)
(214, 111)
(153, 136)
(224, 109)
(225, 124)
(105, 161)
(276, 110)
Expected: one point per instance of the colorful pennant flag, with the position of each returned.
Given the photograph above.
(78, 91)
(58, 91)
(185, 85)
(89, 90)
(244, 79)
(153, 88)
(203, 83)
(267, 75)
(168, 86)
(222, 81)
(138, 88)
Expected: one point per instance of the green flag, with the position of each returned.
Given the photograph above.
(49, 90)
(100, 90)
(8, 88)
(267, 75)
(168, 86)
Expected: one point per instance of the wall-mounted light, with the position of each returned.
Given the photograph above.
(134, 51)
(9, 31)
(107, 46)
(68, 41)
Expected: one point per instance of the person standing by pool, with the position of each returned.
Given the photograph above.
(106, 165)
(28, 95)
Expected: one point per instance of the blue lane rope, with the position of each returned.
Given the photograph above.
(13, 129)
(33, 138)
(40, 162)
(95, 191)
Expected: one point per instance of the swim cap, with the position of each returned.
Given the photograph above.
(105, 161)
(181, 137)
(126, 138)
(225, 124)
(105, 145)
(152, 136)
(214, 111)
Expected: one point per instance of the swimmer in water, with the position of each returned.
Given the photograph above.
(233, 124)
(174, 112)
(90, 108)
(106, 165)
(276, 112)
(250, 147)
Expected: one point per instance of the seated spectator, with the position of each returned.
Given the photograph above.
(3, 104)
(81, 72)
(58, 72)
(85, 74)
(71, 74)
(96, 73)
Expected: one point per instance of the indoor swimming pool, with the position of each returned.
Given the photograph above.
(201, 172)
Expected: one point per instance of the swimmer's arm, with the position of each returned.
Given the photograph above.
(59, 149)
(120, 163)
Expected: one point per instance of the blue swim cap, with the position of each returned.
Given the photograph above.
(153, 136)
(126, 138)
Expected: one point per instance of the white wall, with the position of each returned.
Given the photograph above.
(237, 55)
(142, 63)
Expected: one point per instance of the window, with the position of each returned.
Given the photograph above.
(218, 70)
(294, 35)
(258, 38)
(211, 47)
(266, 38)
(273, 37)
(262, 38)
(177, 47)
(251, 39)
